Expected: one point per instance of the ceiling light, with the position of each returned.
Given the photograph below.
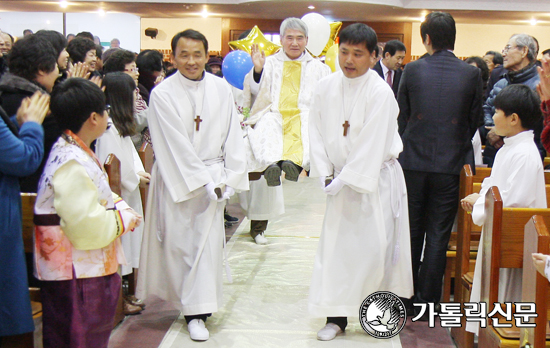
(533, 21)
(101, 12)
(311, 7)
(204, 13)
(48, 22)
(63, 4)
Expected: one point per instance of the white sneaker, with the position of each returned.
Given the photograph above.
(328, 332)
(260, 239)
(197, 330)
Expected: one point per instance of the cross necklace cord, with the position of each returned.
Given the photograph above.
(346, 124)
(196, 111)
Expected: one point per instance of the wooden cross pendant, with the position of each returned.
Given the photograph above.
(346, 126)
(198, 122)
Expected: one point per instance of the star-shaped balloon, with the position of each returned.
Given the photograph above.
(334, 30)
(255, 37)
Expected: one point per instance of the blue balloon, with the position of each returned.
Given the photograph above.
(235, 67)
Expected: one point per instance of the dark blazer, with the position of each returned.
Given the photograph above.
(396, 78)
(440, 102)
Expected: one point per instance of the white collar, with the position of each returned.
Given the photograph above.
(304, 57)
(188, 82)
(357, 80)
(521, 137)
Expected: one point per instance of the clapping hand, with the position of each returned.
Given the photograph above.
(543, 88)
(79, 69)
(33, 109)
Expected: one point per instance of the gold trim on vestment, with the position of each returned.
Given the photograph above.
(288, 107)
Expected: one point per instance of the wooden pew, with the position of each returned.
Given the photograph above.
(147, 158)
(465, 263)
(112, 167)
(469, 183)
(535, 287)
(503, 243)
(465, 256)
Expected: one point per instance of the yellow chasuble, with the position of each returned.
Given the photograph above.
(288, 107)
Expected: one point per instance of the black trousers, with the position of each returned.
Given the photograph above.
(188, 318)
(342, 322)
(433, 204)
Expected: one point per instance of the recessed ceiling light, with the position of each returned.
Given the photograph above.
(533, 21)
(311, 7)
(204, 13)
(63, 4)
(101, 12)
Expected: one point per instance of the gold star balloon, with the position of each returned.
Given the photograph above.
(255, 37)
(334, 30)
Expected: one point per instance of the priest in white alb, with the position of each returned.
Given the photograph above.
(200, 162)
(278, 93)
(365, 241)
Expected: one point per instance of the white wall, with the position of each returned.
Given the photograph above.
(122, 26)
(476, 39)
(125, 27)
(15, 22)
(168, 27)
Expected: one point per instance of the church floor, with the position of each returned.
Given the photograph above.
(266, 305)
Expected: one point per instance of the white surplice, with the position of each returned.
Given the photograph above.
(519, 175)
(264, 127)
(130, 164)
(365, 241)
(182, 254)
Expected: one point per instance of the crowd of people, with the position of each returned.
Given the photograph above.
(386, 140)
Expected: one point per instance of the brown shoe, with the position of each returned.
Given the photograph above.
(135, 301)
(253, 176)
(130, 309)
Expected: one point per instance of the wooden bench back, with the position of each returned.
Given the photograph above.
(27, 205)
(112, 167)
(466, 229)
(481, 173)
(535, 287)
(464, 223)
(148, 159)
(502, 241)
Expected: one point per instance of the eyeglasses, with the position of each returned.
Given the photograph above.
(136, 69)
(508, 47)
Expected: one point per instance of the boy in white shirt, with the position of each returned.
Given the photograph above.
(517, 172)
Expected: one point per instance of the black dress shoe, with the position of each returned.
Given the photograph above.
(273, 175)
(291, 169)
(229, 218)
